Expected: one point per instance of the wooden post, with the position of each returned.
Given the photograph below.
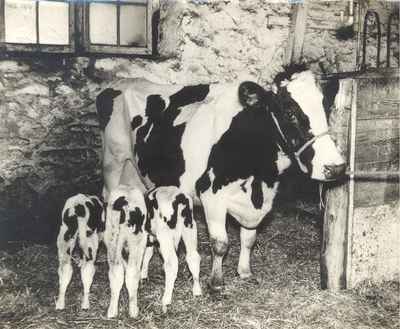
(334, 249)
(297, 31)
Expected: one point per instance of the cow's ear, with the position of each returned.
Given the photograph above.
(251, 94)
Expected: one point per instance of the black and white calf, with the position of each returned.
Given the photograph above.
(170, 218)
(125, 239)
(82, 224)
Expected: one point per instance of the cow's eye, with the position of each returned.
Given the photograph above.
(291, 116)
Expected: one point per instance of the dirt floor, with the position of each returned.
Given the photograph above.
(285, 295)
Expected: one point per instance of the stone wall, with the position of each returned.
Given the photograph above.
(49, 136)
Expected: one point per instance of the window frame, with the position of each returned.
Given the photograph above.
(90, 48)
(40, 47)
(79, 29)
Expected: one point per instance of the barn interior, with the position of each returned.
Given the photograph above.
(51, 149)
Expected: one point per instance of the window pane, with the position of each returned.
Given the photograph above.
(103, 23)
(20, 21)
(133, 25)
(53, 23)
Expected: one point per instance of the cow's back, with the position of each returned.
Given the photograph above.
(167, 131)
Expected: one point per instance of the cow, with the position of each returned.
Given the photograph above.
(82, 225)
(170, 218)
(226, 145)
(125, 238)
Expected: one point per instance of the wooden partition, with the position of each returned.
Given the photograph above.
(361, 232)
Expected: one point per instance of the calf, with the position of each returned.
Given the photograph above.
(82, 222)
(125, 239)
(170, 217)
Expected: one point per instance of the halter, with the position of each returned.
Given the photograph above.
(307, 144)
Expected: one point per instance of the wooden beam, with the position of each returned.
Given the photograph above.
(294, 50)
(334, 248)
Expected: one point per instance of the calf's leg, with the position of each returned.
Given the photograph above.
(65, 249)
(116, 278)
(148, 254)
(168, 252)
(189, 236)
(88, 268)
(132, 273)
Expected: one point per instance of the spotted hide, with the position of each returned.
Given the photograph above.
(82, 226)
(170, 218)
(226, 145)
(125, 239)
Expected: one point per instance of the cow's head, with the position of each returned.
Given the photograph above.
(296, 109)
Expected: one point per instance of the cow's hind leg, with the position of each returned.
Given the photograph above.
(65, 249)
(189, 236)
(216, 217)
(88, 268)
(247, 239)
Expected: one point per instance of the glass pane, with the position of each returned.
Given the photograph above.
(20, 21)
(53, 23)
(133, 25)
(103, 23)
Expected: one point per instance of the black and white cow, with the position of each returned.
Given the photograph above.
(227, 144)
(82, 225)
(170, 218)
(125, 238)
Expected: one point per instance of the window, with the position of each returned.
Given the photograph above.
(29, 25)
(95, 26)
(113, 26)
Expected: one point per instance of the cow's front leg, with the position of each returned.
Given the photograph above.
(247, 239)
(216, 217)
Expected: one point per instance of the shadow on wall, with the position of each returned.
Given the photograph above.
(39, 220)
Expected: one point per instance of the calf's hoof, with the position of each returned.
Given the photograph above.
(165, 308)
(133, 311)
(60, 305)
(245, 274)
(216, 285)
(85, 305)
(112, 313)
(197, 290)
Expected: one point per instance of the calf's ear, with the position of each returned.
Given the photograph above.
(252, 95)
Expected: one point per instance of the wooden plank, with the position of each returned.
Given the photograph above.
(368, 74)
(377, 141)
(294, 50)
(334, 241)
(378, 97)
(333, 262)
(375, 192)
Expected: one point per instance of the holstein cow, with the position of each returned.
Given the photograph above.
(125, 239)
(82, 222)
(170, 218)
(226, 143)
